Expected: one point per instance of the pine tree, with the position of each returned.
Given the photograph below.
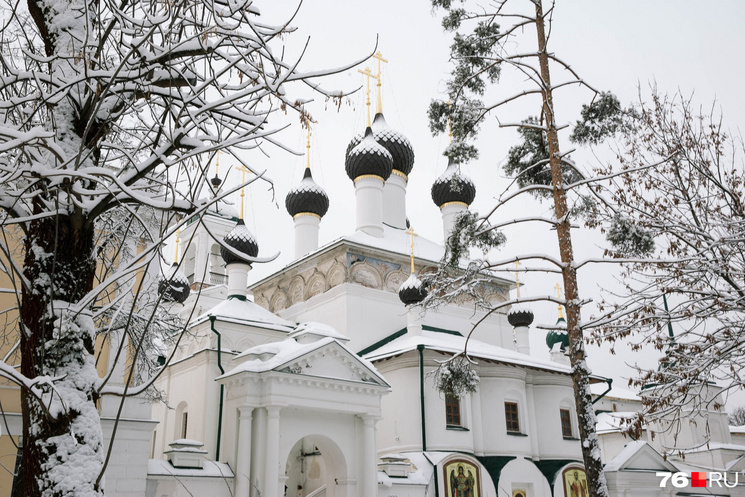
(540, 167)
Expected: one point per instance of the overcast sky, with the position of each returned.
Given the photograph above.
(618, 45)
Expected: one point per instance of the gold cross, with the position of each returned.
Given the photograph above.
(307, 146)
(411, 234)
(175, 257)
(243, 169)
(380, 58)
(517, 277)
(369, 75)
(558, 294)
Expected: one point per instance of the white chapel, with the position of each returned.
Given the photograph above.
(316, 381)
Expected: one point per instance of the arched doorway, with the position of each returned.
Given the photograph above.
(315, 467)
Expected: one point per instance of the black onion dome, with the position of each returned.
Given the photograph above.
(396, 143)
(174, 286)
(356, 139)
(241, 240)
(216, 182)
(369, 157)
(307, 197)
(412, 291)
(520, 316)
(453, 186)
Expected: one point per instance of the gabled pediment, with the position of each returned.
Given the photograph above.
(639, 456)
(335, 361)
(322, 359)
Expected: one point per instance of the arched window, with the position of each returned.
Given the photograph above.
(567, 420)
(184, 423)
(452, 411)
(512, 417)
(182, 420)
(566, 423)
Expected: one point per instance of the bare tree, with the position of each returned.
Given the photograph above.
(480, 56)
(109, 114)
(737, 416)
(674, 207)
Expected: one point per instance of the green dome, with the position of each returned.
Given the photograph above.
(561, 336)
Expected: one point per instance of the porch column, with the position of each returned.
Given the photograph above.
(271, 482)
(370, 468)
(258, 452)
(243, 457)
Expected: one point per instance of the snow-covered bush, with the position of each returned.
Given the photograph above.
(456, 377)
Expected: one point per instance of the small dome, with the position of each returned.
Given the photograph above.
(412, 291)
(241, 240)
(369, 157)
(307, 197)
(396, 143)
(216, 182)
(520, 316)
(453, 186)
(557, 336)
(174, 286)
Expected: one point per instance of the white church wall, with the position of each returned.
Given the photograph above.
(327, 308)
(126, 472)
(367, 315)
(551, 394)
(189, 383)
(439, 435)
(611, 444)
(611, 404)
(400, 428)
(499, 385)
(188, 486)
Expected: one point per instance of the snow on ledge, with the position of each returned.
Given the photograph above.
(211, 469)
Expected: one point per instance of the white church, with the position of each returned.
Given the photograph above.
(316, 380)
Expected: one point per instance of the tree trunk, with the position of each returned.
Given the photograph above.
(580, 371)
(62, 439)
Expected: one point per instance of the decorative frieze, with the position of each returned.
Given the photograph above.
(338, 266)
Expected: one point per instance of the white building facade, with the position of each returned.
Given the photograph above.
(318, 380)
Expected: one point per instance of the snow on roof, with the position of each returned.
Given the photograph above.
(454, 344)
(271, 355)
(393, 456)
(397, 241)
(609, 422)
(615, 393)
(319, 329)
(737, 429)
(625, 455)
(187, 441)
(210, 469)
(274, 355)
(246, 312)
